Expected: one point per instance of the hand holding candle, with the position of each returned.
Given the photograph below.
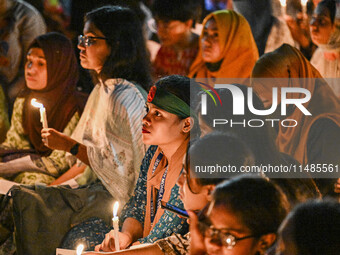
(115, 221)
(43, 118)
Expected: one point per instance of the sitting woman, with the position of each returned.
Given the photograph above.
(325, 33)
(168, 125)
(311, 228)
(239, 220)
(195, 189)
(108, 137)
(316, 138)
(51, 74)
(259, 136)
(227, 48)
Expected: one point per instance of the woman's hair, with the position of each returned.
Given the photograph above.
(217, 149)
(331, 6)
(128, 58)
(182, 10)
(180, 86)
(314, 228)
(259, 204)
(259, 139)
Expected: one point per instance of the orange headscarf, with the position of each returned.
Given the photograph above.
(288, 62)
(238, 47)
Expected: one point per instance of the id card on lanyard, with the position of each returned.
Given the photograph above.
(161, 189)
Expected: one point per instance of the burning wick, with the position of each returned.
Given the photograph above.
(80, 249)
(304, 6)
(115, 221)
(43, 118)
(283, 7)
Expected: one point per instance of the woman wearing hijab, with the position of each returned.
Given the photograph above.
(227, 48)
(51, 74)
(269, 32)
(316, 137)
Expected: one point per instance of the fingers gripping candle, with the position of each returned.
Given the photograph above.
(43, 117)
(115, 221)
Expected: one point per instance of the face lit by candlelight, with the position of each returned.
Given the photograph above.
(36, 69)
(161, 127)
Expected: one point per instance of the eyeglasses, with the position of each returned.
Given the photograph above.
(219, 237)
(86, 41)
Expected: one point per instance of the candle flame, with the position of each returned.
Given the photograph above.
(304, 2)
(80, 249)
(36, 104)
(115, 208)
(283, 3)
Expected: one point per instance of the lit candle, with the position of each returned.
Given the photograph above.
(80, 249)
(304, 6)
(283, 7)
(115, 221)
(43, 118)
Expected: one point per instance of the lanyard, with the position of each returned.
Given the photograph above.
(161, 189)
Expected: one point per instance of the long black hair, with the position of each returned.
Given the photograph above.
(128, 58)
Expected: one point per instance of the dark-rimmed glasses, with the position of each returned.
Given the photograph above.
(86, 41)
(220, 236)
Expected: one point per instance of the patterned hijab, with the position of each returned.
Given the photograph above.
(239, 51)
(59, 97)
(288, 62)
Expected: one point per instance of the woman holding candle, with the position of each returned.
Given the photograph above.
(108, 137)
(168, 125)
(51, 74)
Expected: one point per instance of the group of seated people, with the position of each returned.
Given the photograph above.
(142, 135)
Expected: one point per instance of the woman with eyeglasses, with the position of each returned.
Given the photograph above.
(108, 137)
(242, 219)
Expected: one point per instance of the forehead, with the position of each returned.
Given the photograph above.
(211, 24)
(90, 28)
(36, 52)
(322, 10)
(222, 217)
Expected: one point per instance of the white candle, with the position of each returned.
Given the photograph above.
(304, 6)
(283, 7)
(80, 249)
(115, 221)
(43, 117)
